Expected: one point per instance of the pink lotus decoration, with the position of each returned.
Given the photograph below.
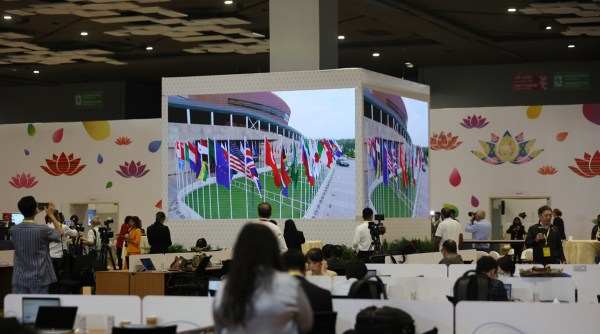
(547, 170)
(474, 121)
(23, 181)
(132, 169)
(589, 166)
(63, 164)
(443, 141)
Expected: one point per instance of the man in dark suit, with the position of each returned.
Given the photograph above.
(159, 236)
(295, 264)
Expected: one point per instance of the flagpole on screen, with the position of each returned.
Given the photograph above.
(217, 186)
(230, 179)
(245, 177)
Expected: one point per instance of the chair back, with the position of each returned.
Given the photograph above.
(324, 322)
(202, 266)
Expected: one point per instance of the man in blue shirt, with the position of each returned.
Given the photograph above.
(480, 229)
(33, 271)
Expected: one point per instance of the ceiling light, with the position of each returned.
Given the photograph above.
(548, 27)
(7, 17)
(36, 72)
(149, 48)
(375, 54)
(340, 37)
(512, 10)
(257, 34)
(409, 64)
(571, 46)
(84, 33)
(228, 2)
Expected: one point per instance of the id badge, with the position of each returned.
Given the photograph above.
(546, 251)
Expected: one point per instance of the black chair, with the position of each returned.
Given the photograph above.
(73, 277)
(145, 330)
(324, 323)
(6, 245)
(192, 283)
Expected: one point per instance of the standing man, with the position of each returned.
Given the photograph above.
(361, 244)
(480, 229)
(33, 270)
(264, 218)
(92, 242)
(159, 236)
(58, 250)
(545, 239)
(448, 229)
(435, 221)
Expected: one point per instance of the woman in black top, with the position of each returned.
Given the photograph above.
(558, 222)
(293, 238)
(516, 231)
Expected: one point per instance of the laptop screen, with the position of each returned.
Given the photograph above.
(56, 317)
(213, 286)
(148, 265)
(508, 288)
(371, 272)
(31, 306)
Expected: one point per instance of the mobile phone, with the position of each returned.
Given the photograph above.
(43, 205)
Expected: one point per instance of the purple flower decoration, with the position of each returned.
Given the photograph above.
(474, 121)
(132, 169)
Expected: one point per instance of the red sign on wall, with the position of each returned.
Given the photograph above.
(529, 81)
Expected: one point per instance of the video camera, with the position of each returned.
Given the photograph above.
(377, 229)
(106, 232)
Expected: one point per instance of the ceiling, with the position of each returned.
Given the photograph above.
(206, 37)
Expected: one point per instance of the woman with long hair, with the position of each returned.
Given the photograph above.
(256, 297)
(516, 231)
(133, 237)
(293, 238)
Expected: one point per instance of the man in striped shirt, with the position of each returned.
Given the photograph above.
(33, 271)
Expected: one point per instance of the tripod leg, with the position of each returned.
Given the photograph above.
(112, 260)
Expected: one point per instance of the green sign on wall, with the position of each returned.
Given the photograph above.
(88, 99)
(571, 81)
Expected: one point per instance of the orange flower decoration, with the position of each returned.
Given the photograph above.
(63, 165)
(443, 141)
(547, 170)
(23, 181)
(123, 140)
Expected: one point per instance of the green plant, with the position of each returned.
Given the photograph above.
(177, 248)
(346, 252)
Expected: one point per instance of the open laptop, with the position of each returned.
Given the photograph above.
(55, 319)
(148, 265)
(213, 286)
(31, 306)
(508, 288)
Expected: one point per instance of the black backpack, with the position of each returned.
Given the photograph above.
(368, 288)
(472, 286)
(384, 320)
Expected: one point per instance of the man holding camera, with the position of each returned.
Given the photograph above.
(362, 237)
(93, 241)
(480, 229)
(59, 249)
(32, 271)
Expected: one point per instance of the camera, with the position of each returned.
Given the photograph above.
(376, 229)
(43, 205)
(471, 213)
(79, 228)
(106, 232)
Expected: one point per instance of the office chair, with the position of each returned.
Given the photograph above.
(193, 283)
(145, 330)
(324, 322)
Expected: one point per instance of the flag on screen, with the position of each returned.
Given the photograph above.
(384, 163)
(193, 157)
(294, 167)
(327, 151)
(204, 171)
(236, 158)
(306, 162)
(285, 178)
(222, 170)
(270, 161)
(203, 146)
(251, 171)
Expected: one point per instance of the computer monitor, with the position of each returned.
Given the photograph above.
(31, 306)
(16, 218)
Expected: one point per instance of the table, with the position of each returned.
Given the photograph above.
(581, 251)
(307, 245)
(112, 282)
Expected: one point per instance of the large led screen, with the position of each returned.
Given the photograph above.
(294, 149)
(396, 180)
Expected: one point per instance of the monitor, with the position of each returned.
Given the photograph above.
(148, 265)
(31, 306)
(16, 218)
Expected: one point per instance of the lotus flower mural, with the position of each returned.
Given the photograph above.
(123, 141)
(474, 121)
(443, 141)
(132, 169)
(23, 181)
(587, 167)
(507, 149)
(63, 164)
(547, 170)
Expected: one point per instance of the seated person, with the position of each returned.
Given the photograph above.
(327, 249)
(201, 246)
(449, 252)
(317, 264)
(488, 266)
(294, 263)
(506, 266)
(336, 263)
(355, 270)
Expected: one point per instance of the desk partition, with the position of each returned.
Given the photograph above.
(545, 288)
(457, 270)
(409, 270)
(586, 278)
(185, 312)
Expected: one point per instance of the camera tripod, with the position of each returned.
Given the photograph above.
(105, 254)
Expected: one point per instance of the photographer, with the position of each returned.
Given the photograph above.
(362, 237)
(480, 228)
(58, 250)
(92, 242)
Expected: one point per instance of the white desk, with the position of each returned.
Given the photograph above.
(185, 312)
(409, 270)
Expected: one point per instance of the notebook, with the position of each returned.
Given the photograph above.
(31, 306)
(55, 319)
(148, 265)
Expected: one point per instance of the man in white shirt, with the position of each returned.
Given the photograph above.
(92, 241)
(361, 244)
(57, 249)
(264, 214)
(448, 229)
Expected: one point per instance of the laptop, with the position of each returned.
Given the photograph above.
(213, 286)
(148, 265)
(508, 288)
(55, 319)
(31, 306)
(371, 272)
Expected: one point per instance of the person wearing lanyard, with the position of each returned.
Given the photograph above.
(33, 272)
(545, 240)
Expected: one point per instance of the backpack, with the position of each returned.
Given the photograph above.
(368, 288)
(472, 286)
(384, 320)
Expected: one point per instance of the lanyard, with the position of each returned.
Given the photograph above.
(546, 235)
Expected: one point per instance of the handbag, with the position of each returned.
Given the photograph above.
(177, 264)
